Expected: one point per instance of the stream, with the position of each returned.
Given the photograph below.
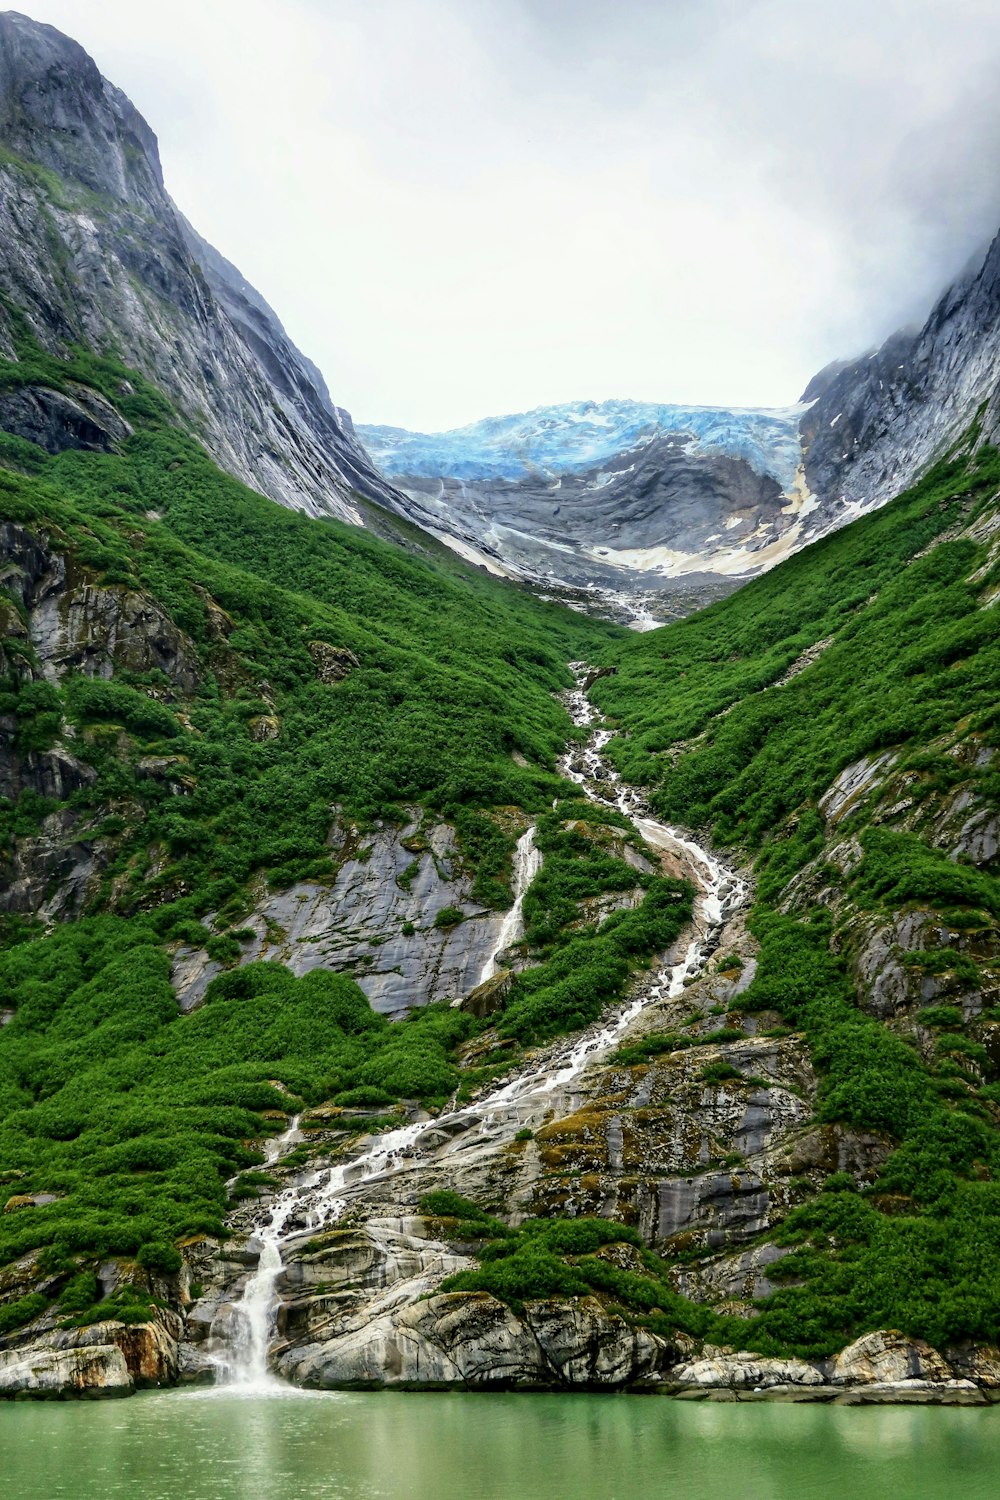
(319, 1198)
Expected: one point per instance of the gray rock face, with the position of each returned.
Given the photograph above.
(77, 625)
(877, 422)
(356, 924)
(470, 1339)
(127, 271)
(103, 1359)
(56, 421)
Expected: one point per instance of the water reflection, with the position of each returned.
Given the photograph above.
(219, 1445)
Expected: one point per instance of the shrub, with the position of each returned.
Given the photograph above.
(159, 1257)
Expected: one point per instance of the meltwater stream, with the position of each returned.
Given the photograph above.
(321, 1197)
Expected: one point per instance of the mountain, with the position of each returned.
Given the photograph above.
(876, 423)
(95, 253)
(405, 980)
(655, 506)
(610, 497)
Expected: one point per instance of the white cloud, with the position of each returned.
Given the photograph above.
(461, 207)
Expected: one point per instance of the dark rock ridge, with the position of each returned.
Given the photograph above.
(94, 252)
(877, 422)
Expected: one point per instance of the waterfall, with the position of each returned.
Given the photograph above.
(527, 1099)
(244, 1362)
(527, 863)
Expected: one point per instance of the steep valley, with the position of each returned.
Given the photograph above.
(407, 980)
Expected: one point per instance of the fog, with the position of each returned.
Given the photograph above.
(466, 207)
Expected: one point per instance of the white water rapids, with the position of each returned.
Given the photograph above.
(321, 1197)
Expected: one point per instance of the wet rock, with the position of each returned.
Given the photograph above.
(744, 1372)
(853, 785)
(744, 1276)
(585, 1345)
(488, 998)
(103, 1359)
(979, 839)
(914, 1393)
(980, 1365)
(470, 1339)
(828, 1149)
(99, 1370)
(375, 920)
(150, 1350)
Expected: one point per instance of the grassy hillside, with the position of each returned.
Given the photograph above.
(311, 676)
(879, 649)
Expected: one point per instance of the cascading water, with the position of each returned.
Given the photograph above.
(244, 1362)
(527, 863)
(321, 1197)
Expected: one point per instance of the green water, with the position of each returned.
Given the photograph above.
(207, 1446)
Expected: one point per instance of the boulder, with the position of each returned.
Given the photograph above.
(744, 1372)
(888, 1357)
(333, 663)
(96, 1370)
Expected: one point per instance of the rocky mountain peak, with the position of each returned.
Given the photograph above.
(57, 110)
(95, 252)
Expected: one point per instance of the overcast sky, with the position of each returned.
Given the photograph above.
(466, 207)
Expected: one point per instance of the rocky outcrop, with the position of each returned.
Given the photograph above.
(887, 1358)
(77, 624)
(332, 662)
(102, 1359)
(376, 920)
(100, 1370)
(880, 1368)
(59, 620)
(55, 420)
(469, 1339)
(878, 421)
(51, 874)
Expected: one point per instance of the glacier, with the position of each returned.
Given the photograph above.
(578, 435)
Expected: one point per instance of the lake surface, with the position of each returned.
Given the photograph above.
(205, 1445)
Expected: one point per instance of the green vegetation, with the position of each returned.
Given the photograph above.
(911, 670)
(586, 963)
(130, 1114)
(241, 761)
(913, 656)
(563, 1258)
